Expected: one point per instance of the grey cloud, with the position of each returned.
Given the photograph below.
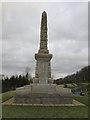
(67, 36)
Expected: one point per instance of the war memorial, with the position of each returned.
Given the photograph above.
(42, 90)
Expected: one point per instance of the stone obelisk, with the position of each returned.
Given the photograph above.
(43, 66)
(43, 91)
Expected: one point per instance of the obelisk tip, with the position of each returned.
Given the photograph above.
(44, 13)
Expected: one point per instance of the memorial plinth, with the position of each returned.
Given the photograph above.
(43, 94)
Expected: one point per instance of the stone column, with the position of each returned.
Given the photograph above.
(43, 34)
(43, 67)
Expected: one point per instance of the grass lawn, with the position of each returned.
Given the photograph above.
(44, 111)
(71, 85)
(85, 83)
(82, 99)
(17, 111)
(7, 95)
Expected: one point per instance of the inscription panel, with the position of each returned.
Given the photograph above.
(43, 72)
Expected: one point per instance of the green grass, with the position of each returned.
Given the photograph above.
(17, 111)
(7, 95)
(45, 111)
(71, 85)
(82, 99)
(85, 83)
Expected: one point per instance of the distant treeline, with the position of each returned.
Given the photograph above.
(80, 76)
(18, 81)
(15, 81)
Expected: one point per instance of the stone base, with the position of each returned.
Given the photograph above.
(43, 100)
(43, 88)
(35, 80)
(50, 81)
(42, 94)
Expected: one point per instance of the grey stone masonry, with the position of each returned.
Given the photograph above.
(42, 94)
(43, 58)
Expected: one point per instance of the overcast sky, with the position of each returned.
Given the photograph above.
(67, 36)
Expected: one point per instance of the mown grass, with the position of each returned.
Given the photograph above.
(82, 99)
(85, 83)
(7, 95)
(18, 111)
(44, 111)
(71, 85)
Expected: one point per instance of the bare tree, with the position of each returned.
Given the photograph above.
(27, 70)
(28, 73)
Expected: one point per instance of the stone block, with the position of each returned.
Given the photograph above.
(50, 101)
(42, 94)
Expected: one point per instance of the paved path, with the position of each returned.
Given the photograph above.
(11, 102)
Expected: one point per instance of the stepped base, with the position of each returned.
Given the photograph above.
(42, 94)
